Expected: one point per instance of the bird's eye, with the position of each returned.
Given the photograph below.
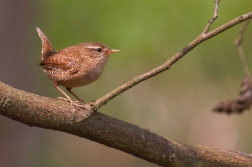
(99, 49)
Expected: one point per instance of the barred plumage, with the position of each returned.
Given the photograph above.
(74, 66)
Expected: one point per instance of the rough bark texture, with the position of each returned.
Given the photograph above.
(43, 112)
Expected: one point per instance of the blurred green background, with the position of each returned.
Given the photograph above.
(176, 104)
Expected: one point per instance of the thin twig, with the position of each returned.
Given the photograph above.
(244, 64)
(167, 65)
(215, 16)
(238, 43)
(238, 40)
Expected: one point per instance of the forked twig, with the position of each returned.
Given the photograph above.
(215, 16)
(167, 65)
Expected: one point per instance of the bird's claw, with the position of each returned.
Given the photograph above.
(78, 104)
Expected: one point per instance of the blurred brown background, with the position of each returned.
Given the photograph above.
(176, 104)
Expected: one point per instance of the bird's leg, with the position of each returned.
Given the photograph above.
(70, 91)
(56, 85)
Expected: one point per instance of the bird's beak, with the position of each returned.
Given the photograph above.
(114, 50)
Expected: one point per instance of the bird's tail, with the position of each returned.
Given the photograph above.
(47, 48)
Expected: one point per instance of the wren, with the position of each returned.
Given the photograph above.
(73, 66)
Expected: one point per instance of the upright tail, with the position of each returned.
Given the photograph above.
(47, 48)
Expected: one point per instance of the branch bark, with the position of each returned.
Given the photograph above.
(34, 110)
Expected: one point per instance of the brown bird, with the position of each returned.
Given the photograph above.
(74, 66)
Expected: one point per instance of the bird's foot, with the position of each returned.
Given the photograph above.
(78, 104)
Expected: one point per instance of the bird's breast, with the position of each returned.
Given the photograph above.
(89, 71)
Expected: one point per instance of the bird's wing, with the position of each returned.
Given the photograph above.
(62, 61)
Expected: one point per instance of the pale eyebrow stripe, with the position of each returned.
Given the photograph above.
(93, 47)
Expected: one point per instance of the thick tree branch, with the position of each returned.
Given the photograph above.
(43, 112)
